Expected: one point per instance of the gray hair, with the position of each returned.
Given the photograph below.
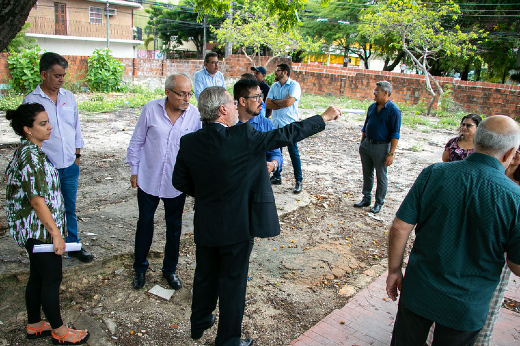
(210, 99)
(497, 143)
(171, 80)
(210, 55)
(385, 86)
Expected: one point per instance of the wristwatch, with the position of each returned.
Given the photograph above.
(391, 154)
(78, 156)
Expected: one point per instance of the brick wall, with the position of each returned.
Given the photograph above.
(476, 97)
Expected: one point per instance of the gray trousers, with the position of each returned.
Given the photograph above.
(373, 156)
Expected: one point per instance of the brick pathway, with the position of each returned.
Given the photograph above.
(368, 319)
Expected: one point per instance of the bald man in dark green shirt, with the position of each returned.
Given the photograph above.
(466, 215)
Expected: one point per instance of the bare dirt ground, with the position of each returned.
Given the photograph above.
(326, 252)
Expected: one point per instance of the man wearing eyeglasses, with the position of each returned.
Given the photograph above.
(209, 75)
(151, 154)
(283, 99)
(379, 137)
(223, 167)
(248, 94)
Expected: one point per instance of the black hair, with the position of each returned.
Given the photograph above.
(49, 59)
(286, 68)
(210, 55)
(23, 116)
(243, 86)
(475, 117)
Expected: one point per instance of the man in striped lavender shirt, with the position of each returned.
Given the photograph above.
(151, 154)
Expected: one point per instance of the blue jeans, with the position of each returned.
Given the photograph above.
(69, 178)
(144, 234)
(296, 163)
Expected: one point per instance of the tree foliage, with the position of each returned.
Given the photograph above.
(252, 27)
(25, 70)
(177, 24)
(285, 12)
(424, 29)
(105, 73)
(13, 15)
(21, 42)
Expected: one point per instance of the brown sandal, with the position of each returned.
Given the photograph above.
(60, 340)
(39, 332)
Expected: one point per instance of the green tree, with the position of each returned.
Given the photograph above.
(336, 26)
(21, 42)
(13, 15)
(285, 12)
(25, 70)
(177, 24)
(252, 27)
(424, 29)
(105, 73)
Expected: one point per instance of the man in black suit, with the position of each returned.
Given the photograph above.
(223, 167)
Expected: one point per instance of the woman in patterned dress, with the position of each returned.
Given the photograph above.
(36, 215)
(461, 146)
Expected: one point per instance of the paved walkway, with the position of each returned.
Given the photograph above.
(368, 319)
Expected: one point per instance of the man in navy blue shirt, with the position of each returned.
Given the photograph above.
(379, 138)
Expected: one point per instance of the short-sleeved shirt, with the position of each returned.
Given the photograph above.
(467, 215)
(456, 153)
(284, 116)
(66, 130)
(202, 80)
(383, 125)
(31, 174)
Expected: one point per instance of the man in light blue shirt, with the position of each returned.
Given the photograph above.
(64, 146)
(209, 75)
(283, 99)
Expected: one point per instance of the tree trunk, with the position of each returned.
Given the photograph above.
(345, 56)
(477, 74)
(396, 62)
(465, 72)
(13, 15)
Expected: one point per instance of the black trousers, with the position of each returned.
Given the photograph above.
(411, 329)
(221, 273)
(173, 208)
(43, 287)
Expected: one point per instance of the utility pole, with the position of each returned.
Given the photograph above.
(229, 45)
(204, 39)
(108, 27)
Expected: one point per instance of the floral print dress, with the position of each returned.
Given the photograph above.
(456, 152)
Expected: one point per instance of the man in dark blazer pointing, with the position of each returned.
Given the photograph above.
(223, 167)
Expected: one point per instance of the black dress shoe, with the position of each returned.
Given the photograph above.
(173, 281)
(197, 334)
(139, 280)
(82, 255)
(246, 342)
(365, 202)
(297, 187)
(276, 181)
(376, 208)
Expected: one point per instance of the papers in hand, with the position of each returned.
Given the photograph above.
(50, 247)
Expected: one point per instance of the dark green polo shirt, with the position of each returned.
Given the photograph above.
(466, 215)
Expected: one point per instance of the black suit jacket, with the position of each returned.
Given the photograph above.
(224, 169)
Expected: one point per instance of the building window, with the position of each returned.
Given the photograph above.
(96, 15)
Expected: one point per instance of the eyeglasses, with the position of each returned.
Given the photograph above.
(468, 126)
(213, 62)
(377, 91)
(182, 95)
(257, 97)
(278, 71)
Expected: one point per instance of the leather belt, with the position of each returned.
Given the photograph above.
(377, 142)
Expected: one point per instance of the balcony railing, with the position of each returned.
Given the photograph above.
(43, 25)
